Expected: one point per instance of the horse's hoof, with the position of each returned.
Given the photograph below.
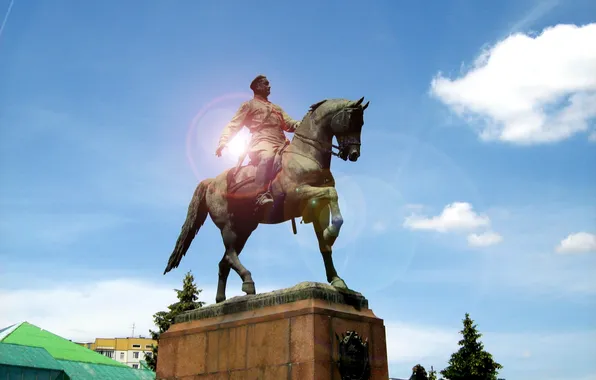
(339, 283)
(219, 299)
(248, 287)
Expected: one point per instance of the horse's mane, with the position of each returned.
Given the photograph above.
(328, 105)
(314, 107)
(333, 104)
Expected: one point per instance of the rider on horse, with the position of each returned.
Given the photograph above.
(266, 123)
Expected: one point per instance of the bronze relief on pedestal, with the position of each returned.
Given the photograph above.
(353, 359)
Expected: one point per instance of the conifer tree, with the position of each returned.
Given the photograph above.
(471, 362)
(188, 299)
(432, 375)
(418, 373)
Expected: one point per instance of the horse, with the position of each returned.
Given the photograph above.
(302, 185)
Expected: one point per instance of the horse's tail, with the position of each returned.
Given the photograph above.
(197, 213)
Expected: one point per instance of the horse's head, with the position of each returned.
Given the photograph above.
(346, 126)
(343, 119)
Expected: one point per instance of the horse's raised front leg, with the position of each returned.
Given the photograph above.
(315, 197)
(320, 224)
(324, 200)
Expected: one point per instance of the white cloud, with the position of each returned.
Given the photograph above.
(456, 216)
(484, 239)
(528, 89)
(580, 242)
(409, 343)
(85, 311)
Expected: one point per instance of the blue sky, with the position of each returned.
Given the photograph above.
(474, 192)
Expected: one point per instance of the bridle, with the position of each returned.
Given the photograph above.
(319, 145)
(327, 148)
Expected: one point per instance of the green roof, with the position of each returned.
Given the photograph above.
(24, 356)
(36, 357)
(27, 334)
(88, 371)
(27, 346)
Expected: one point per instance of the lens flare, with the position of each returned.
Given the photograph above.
(237, 146)
(193, 151)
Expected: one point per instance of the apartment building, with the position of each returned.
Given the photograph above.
(129, 351)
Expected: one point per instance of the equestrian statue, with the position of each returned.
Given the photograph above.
(283, 181)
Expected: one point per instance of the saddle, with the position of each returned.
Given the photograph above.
(241, 182)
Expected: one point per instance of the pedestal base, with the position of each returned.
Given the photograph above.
(284, 335)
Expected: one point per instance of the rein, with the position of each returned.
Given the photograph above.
(313, 143)
(323, 146)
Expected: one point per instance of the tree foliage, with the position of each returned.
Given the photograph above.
(432, 375)
(471, 362)
(188, 299)
(418, 373)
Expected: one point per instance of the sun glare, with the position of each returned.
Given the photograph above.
(237, 146)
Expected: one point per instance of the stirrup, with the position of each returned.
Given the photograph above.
(264, 198)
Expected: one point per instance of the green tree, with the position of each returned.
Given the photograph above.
(432, 375)
(188, 299)
(471, 362)
(418, 373)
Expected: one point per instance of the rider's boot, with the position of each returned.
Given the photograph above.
(262, 178)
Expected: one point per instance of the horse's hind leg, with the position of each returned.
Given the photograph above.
(234, 241)
(224, 272)
(320, 224)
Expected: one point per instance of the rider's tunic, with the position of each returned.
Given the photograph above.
(266, 123)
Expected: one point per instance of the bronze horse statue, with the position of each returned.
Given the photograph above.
(302, 186)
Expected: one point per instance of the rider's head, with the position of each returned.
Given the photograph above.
(260, 86)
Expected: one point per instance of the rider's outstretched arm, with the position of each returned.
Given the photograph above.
(235, 125)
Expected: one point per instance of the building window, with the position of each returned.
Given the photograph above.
(122, 356)
(149, 346)
(135, 354)
(136, 346)
(135, 366)
(148, 354)
(109, 354)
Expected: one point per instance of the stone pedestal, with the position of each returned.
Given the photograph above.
(288, 334)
